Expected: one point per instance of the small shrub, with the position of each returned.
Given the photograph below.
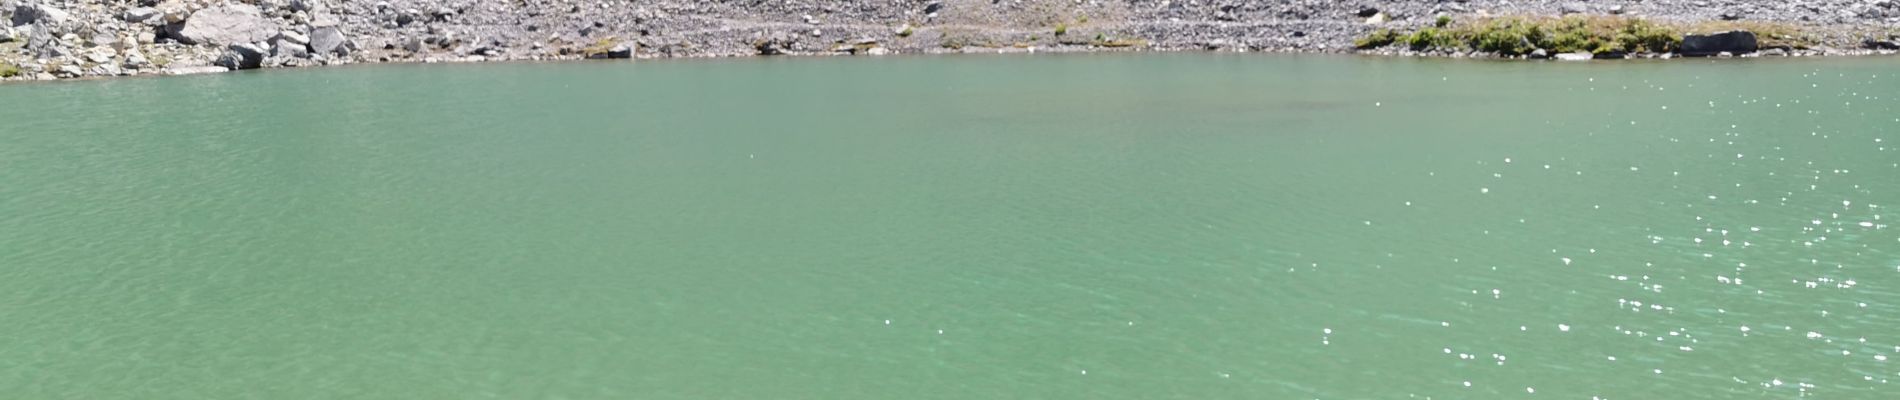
(1062, 29)
(1443, 21)
(1376, 39)
(906, 32)
(1433, 38)
(10, 70)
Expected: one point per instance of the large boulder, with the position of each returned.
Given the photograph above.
(1732, 42)
(329, 40)
(225, 24)
(28, 13)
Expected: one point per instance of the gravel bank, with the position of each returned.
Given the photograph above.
(59, 39)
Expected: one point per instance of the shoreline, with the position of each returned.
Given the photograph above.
(95, 39)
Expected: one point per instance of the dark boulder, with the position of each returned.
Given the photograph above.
(1733, 42)
(241, 56)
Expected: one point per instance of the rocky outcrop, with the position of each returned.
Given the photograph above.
(1732, 42)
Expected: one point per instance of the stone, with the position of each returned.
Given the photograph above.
(1881, 44)
(135, 59)
(1701, 45)
(1731, 16)
(142, 15)
(224, 25)
(1376, 19)
(1367, 12)
(1775, 52)
(933, 8)
(300, 5)
(69, 71)
(1539, 54)
(621, 51)
(106, 70)
(878, 51)
(101, 55)
(1578, 56)
(1574, 8)
(285, 48)
(329, 40)
(1616, 9)
(34, 13)
(293, 37)
(195, 70)
(241, 56)
(173, 12)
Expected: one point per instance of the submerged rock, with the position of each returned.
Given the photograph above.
(1733, 42)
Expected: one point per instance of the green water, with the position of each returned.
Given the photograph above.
(1052, 227)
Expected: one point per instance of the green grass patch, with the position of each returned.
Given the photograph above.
(1521, 35)
(1062, 29)
(9, 70)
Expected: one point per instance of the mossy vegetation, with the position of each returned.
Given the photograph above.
(9, 70)
(908, 30)
(1442, 21)
(604, 45)
(1062, 29)
(1376, 39)
(1522, 35)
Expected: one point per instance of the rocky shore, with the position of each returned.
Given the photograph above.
(60, 39)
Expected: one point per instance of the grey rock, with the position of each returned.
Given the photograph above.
(293, 37)
(69, 71)
(328, 41)
(29, 13)
(106, 70)
(1881, 44)
(142, 15)
(136, 59)
(1575, 56)
(241, 56)
(1539, 54)
(1574, 8)
(101, 55)
(1734, 42)
(621, 51)
(286, 48)
(224, 25)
